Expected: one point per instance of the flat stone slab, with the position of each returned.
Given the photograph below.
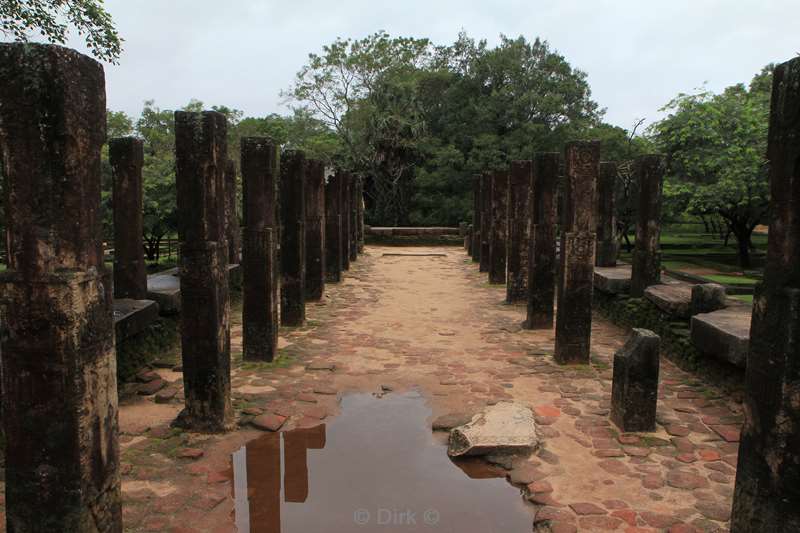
(724, 334)
(673, 298)
(503, 428)
(408, 232)
(165, 288)
(133, 316)
(613, 280)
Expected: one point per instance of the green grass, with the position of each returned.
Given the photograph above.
(746, 298)
(732, 280)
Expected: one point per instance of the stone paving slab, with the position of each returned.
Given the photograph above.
(433, 325)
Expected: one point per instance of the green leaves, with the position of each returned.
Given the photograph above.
(53, 19)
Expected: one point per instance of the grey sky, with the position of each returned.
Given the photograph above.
(638, 53)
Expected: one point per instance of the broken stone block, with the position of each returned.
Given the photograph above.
(707, 297)
(671, 298)
(448, 421)
(634, 390)
(723, 334)
(503, 428)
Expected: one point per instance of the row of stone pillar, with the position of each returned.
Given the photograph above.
(767, 490)
(514, 236)
(59, 378)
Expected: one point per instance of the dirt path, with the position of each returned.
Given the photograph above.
(432, 323)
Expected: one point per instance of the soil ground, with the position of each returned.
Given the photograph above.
(433, 323)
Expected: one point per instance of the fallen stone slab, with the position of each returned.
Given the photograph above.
(151, 387)
(613, 280)
(724, 334)
(503, 428)
(673, 298)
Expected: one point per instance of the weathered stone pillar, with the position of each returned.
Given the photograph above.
(606, 217)
(293, 238)
(233, 233)
(646, 260)
(333, 229)
(126, 156)
(345, 184)
(576, 268)
(475, 246)
(542, 246)
(315, 229)
(360, 214)
(353, 215)
(634, 389)
(259, 254)
(486, 220)
(59, 377)
(519, 185)
(499, 238)
(767, 496)
(200, 157)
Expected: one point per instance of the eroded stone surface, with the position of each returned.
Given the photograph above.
(501, 429)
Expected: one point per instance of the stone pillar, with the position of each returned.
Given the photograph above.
(518, 231)
(200, 157)
(542, 245)
(768, 475)
(259, 254)
(126, 156)
(646, 260)
(345, 184)
(293, 238)
(634, 389)
(499, 239)
(360, 214)
(315, 229)
(576, 268)
(233, 233)
(59, 377)
(333, 229)
(353, 216)
(486, 220)
(606, 217)
(475, 247)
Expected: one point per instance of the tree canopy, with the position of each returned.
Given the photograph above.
(416, 120)
(716, 148)
(53, 19)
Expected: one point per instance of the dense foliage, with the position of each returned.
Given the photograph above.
(52, 19)
(417, 120)
(716, 147)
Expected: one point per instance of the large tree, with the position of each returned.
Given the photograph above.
(416, 120)
(716, 146)
(53, 19)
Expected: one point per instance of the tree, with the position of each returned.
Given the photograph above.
(417, 120)
(52, 19)
(716, 144)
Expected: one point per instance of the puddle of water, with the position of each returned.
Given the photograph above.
(375, 467)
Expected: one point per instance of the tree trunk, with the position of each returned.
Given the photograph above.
(743, 240)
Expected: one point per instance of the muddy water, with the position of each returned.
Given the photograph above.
(375, 467)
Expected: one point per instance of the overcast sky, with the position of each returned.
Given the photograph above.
(638, 54)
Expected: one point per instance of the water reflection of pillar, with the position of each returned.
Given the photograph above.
(295, 446)
(264, 483)
(295, 475)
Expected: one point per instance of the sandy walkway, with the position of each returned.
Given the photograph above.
(432, 322)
